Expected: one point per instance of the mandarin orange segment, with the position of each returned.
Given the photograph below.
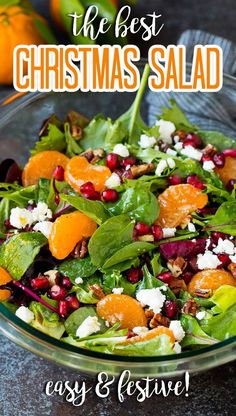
(80, 171)
(228, 171)
(178, 201)
(4, 294)
(210, 280)
(121, 309)
(67, 231)
(5, 277)
(42, 165)
(160, 330)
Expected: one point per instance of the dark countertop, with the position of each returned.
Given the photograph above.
(23, 375)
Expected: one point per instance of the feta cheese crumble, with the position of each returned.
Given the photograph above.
(44, 227)
(177, 348)
(224, 246)
(41, 212)
(121, 150)
(191, 227)
(52, 276)
(113, 181)
(208, 260)
(90, 326)
(177, 330)
(152, 298)
(168, 232)
(118, 290)
(171, 163)
(20, 218)
(192, 153)
(171, 152)
(178, 146)
(146, 141)
(25, 314)
(208, 165)
(200, 315)
(79, 281)
(140, 330)
(162, 165)
(166, 129)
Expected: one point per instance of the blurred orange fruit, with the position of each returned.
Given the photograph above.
(176, 202)
(210, 279)
(5, 277)
(42, 165)
(67, 231)
(79, 171)
(228, 171)
(121, 309)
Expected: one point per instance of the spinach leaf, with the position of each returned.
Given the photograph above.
(54, 140)
(19, 252)
(73, 6)
(176, 115)
(77, 268)
(224, 219)
(131, 121)
(128, 252)
(45, 320)
(139, 204)
(84, 292)
(105, 8)
(73, 322)
(73, 148)
(114, 234)
(124, 265)
(156, 264)
(18, 194)
(194, 333)
(93, 209)
(116, 280)
(222, 326)
(217, 139)
(149, 282)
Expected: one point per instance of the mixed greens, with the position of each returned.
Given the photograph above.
(155, 273)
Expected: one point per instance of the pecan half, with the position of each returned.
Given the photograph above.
(97, 291)
(159, 320)
(203, 293)
(181, 135)
(176, 285)
(232, 269)
(190, 307)
(177, 266)
(209, 150)
(88, 154)
(81, 249)
(149, 314)
(139, 170)
(99, 153)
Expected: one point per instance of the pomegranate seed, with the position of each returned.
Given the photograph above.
(72, 302)
(128, 174)
(224, 259)
(57, 199)
(175, 180)
(165, 277)
(206, 158)
(206, 210)
(7, 224)
(134, 275)
(193, 264)
(63, 308)
(128, 161)
(110, 195)
(66, 283)
(130, 334)
(195, 181)
(112, 161)
(87, 187)
(170, 308)
(216, 235)
(157, 232)
(58, 173)
(92, 195)
(230, 184)
(188, 142)
(187, 276)
(57, 292)
(229, 152)
(142, 228)
(195, 139)
(40, 283)
(219, 160)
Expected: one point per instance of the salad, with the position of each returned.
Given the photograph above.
(118, 237)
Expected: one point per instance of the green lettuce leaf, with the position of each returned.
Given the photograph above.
(77, 317)
(195, 335)
(222, 326)
(176, 115)
(45, 320)
(54, 140)
(157, 346)
(77, 268)
(224, 297)
(93, 209)
(224, 219)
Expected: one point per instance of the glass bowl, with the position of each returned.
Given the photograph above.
(20, 121)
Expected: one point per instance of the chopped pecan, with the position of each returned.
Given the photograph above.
(76, 132)
(176, 285)
(232, 269)
(77, 124)
(203, 293)
(209, 150)
(97, 291)
(177, 266)
(149, 314)
(159, 320)
(139, 170)
(81, 249)
(181, 134)
(190, 307)
(88, 154)
(149, 238)
(94, 160)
